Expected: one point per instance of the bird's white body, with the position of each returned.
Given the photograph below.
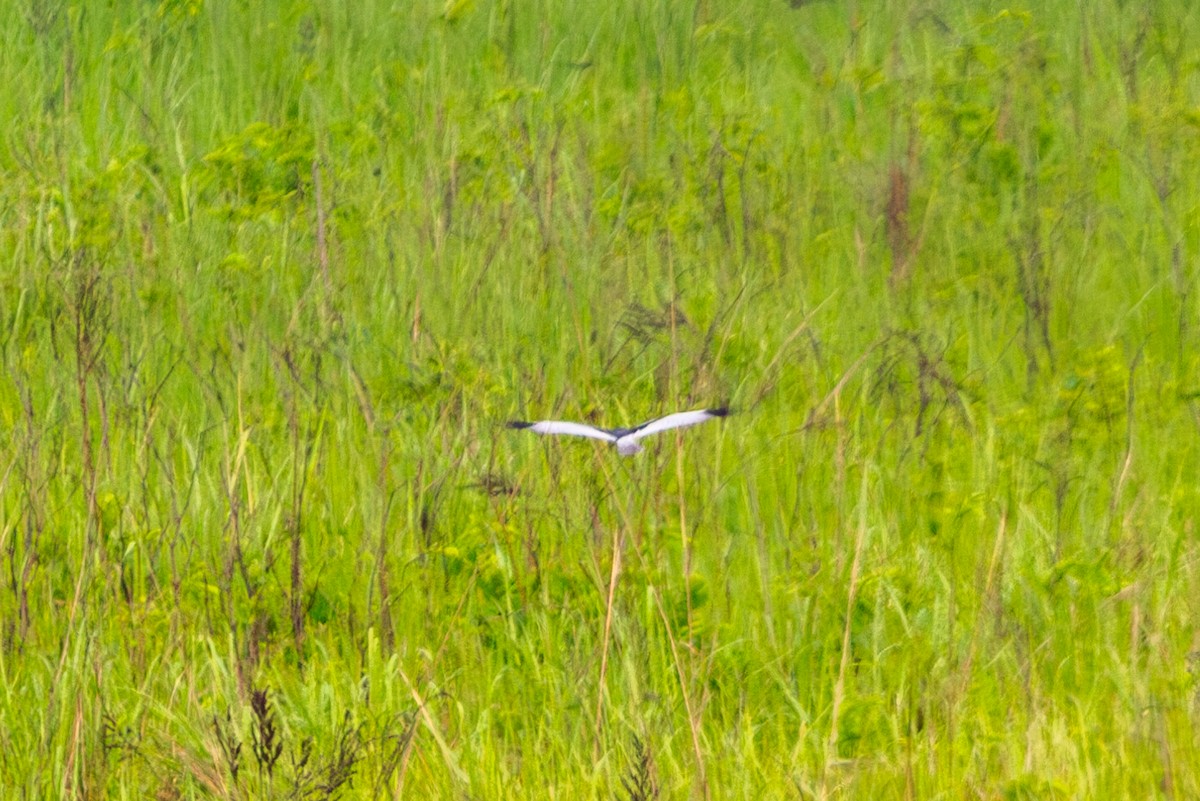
(626, 439)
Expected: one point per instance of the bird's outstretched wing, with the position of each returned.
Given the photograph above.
(564, 427)
(677, 420)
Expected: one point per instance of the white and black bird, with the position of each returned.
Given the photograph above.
(626, 439)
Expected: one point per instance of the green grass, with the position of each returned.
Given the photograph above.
(275, 277)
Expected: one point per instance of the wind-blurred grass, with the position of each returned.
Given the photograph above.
(276, 274)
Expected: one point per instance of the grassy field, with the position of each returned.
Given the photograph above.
(275, 275)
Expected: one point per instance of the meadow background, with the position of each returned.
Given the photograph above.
(275, 275)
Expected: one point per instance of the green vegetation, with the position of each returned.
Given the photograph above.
(275, 275)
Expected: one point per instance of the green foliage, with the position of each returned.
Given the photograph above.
(259, 171)
(276, 274)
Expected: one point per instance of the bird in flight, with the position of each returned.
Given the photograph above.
(626, 439)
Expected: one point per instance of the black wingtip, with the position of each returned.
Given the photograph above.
(721, 411)
(517, 424)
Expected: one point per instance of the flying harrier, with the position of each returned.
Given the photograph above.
(626, 439)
